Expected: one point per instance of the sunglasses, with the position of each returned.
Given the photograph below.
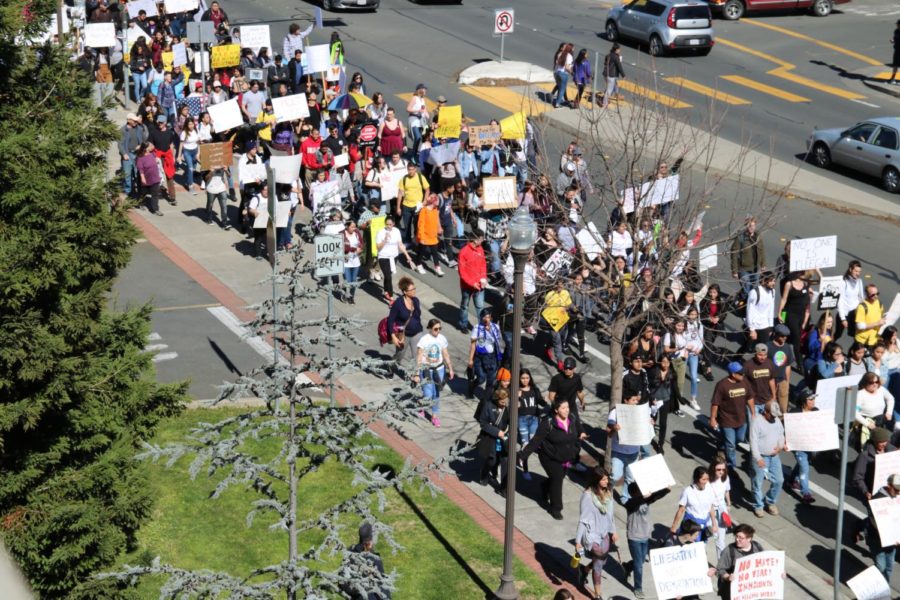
(436, 328)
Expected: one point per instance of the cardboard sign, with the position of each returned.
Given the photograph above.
(376, 224)
(887, 519)
(179, 6)
(558, 262)
(630, 198)
(318, 58)
(286, 168)
(870, 585)
(226, 115)
(100, 35)
(499, 192)
(255, 36)
(660, 191)
(830, 292)
(214, 155)
(136, 6)
(886, 464)
(814, 253)
(709, 258)
(758, 576)
(290, 108)
(652, 474)
(636, 426)
(449, 122)
(828, 389)
(680, 571)
(813, 431)
(592, 243)
(484, 135)
(228, 55)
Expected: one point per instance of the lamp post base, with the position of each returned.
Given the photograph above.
(507, 590)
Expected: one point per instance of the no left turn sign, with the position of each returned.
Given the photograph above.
(504, 21)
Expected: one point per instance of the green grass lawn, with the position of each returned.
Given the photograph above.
(189, 530)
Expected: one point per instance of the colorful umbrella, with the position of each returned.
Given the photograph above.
(349, 101)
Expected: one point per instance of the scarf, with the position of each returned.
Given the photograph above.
(601, 505)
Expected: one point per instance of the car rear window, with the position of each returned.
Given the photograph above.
(692, 12)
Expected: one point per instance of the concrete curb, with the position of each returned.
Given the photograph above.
(510, 69)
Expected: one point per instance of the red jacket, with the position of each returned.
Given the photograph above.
(309, 150)
(472, 267)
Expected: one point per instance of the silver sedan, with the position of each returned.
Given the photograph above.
(870, 147)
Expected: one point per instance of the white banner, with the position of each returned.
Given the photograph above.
(178, 6)
(660, 191)
(256, 37)
(812, 431)
(100, 35)
(709, 258)
(887, 519)
(290, 108)
(136, 6)
(179, 54)
(318, 58)
(341, 160)
(286, 168)
(225, 116)
(636, 427)
(680, 571)
(591, 241)
(828, 389)
(814, 253)
(886, 464)
(499, 193)
(870, 585)
(652, 474)
(759, 576)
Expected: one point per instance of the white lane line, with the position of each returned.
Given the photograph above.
(865, 103)
(165, 356)
(597, 353)
(154, 337)
(155, 347)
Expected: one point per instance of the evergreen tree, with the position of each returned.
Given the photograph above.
(77, 393)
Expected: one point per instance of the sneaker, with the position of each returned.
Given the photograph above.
(439, 271)
(678, 413)
(556, 515)
(452, 263)
(639, 594)
(435, 421)
(420, 269)
(693, 404)
(158, 213)
(772, 510)
(795, 485)
(422, 414)
(226, 227)
(377, 275)
(759, 512)
(807, 499)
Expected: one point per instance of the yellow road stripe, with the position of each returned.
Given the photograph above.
(707, 91)
(652, 95)
(572, 90)
(800, 36)
(507, 99)
(756, 53)
(882, 75)
(766, 89)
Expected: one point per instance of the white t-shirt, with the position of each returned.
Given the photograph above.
(190, 140)
(621, 243)
(390, 180)
(418, 105)
(392, 248)
(719, 489)
(697, 503)
(351, 259)
(432, 349)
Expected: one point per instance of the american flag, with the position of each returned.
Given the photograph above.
(195, 104)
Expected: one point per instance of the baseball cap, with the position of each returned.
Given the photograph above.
(161, 119)
(735, 367)
(782, 329)
(131, 117)
(441, 99)
(577, 152)
(421, 86)
(198, 86)
(569, 363)
(805, 394)
(760, 347)
(570, 166)
(217, 84)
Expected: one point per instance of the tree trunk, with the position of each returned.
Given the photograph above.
(616, 365)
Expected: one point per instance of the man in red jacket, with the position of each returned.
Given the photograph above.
(312, 160)
(472, 278)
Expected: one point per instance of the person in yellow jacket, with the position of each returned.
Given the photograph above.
(267, 117)
(555, 316)
(337, 49)
(428, 234)
(869, 317)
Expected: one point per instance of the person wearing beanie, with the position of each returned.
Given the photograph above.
(766, 444)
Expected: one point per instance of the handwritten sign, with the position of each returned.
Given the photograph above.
(886, 464)
(812, 431)
(828, 389)
(318, 58)
(484, 135)
(558, 262)
(215, 155)
(709, 258)
(870, 585)
(680, 571)
(887, 519)
(290, 108)
(136, 6)
(758, 576)
(651, 474)
(225, 116)
(255, 36)
(660, 191)
(449, 122)
(228, 55)
(636, 427)
(499, 193)
(813, 253)
(100, 35)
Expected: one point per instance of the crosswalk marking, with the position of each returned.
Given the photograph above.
(766, 89)
(164, 356)
(572, 92)
(800, 36)
(715, 94)
(508, 100)
(663, 99)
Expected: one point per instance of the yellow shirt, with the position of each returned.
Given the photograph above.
(868, 313)
(414, 189)
(556, 308)
(269, 119)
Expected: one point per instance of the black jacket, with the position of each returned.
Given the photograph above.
(493, 420)
(555, 443)
(612, 66)
(864, 469)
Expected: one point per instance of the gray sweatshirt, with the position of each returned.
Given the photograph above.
(765, 437)
(593, 525)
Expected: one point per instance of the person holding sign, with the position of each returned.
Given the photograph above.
(596, 532)
(622, 454)
(882, 554)
(555, 317)
(800, 473)
(869, 317)
(639, 529)
(766, 443)
(743, 545)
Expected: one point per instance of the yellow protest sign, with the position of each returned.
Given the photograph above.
(449, 122)
(375, 225)
(556, 317)
(168, 58)
(228, 55)
(513, 126)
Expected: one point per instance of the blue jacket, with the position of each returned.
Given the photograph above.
(468, 164)
(583, 72)
(487, 160)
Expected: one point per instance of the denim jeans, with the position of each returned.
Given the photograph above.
(612, 88)
(749, 280)
(284, 233)
(800, 472)
(140, 84)
(351, 276)
(732, 436)
(484, 367)
(407, 227)
(772, 472)
(620, 464)
(562, 82)
(693, 364)
(128, 174)
(478, 297)
(190, 161)
(639, 550)
(528, 425)
(416, 135)
(494, 258)
(432, 380)
(884, 559)
(211, 199)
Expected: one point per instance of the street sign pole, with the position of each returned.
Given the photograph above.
(329, 263)
(845, 412)
(271, 241)
(502, 39)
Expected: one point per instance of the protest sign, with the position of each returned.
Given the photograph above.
(100, 35)
(325, 195)
(870, 585)
(660, 191)
(556, 317)
(886, 464)
(636, 427)
(228, 55)
(282, 214)
(558, 262)
(629, 195)
(828, 389)
(514, 126)
(225, 116)
(443, 153)
(758, 576)
(333, 74)
(887, 519)
(812, 431)
(449, 122)
(201, 61)
(290, 108)
(179, 54)
(136, 6)
(133, 34)
(341, 160)
(286, 168)
(255, 36)
(813, 253)
(375, 225)
(484, 135)
(179, 6)
(830, 292)
(651, 474)
(591, 241)
(256, 75)
(893, 313)
(499, 193)
(709, 258)
(318, 58)
(680, 571)
(167, 59)
(214, 155)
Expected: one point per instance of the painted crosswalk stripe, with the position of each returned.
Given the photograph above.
(713, 93)
(653, 95)
(155, 347)
(572, 92)
(154, 337)
(766, 89)
(508, 99)
(164, 356)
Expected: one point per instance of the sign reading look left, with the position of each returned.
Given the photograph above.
(680, 571)
(758, 576)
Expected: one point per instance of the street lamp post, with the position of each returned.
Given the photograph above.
(522, 236)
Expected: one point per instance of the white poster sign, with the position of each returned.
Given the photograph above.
(341, 160)
(133, 34)
(255, 36)
(828, 389)
(179, 55)
(709, 258)
(886, 464)
(759, 576)
(814, 253)
(887, 519)
(660, 191)
(199, 66)
(225, 116)
(893, 313)
(286, 168)
(136, 6)
(591, 241)
(652, 474)
(290, 108)
(319, 58)
(100, 35)
(680, 571)
(325, 195)
(812, 431)
(636, 427)
(870, 585)
(333, 74)
(830, 292)
(179, 6)
(282, 214)
(500, 193)
(628, 199)
(560, 260)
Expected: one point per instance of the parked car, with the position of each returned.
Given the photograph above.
(351, 4)
(735, 9)
(665, 25)
(870, 147)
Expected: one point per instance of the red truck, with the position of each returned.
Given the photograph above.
(735, 9)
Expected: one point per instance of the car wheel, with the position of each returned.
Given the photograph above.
(822, 8)
(733, 10)
(821, 155)
(890, 180)
(656, 46)
(612, 32)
